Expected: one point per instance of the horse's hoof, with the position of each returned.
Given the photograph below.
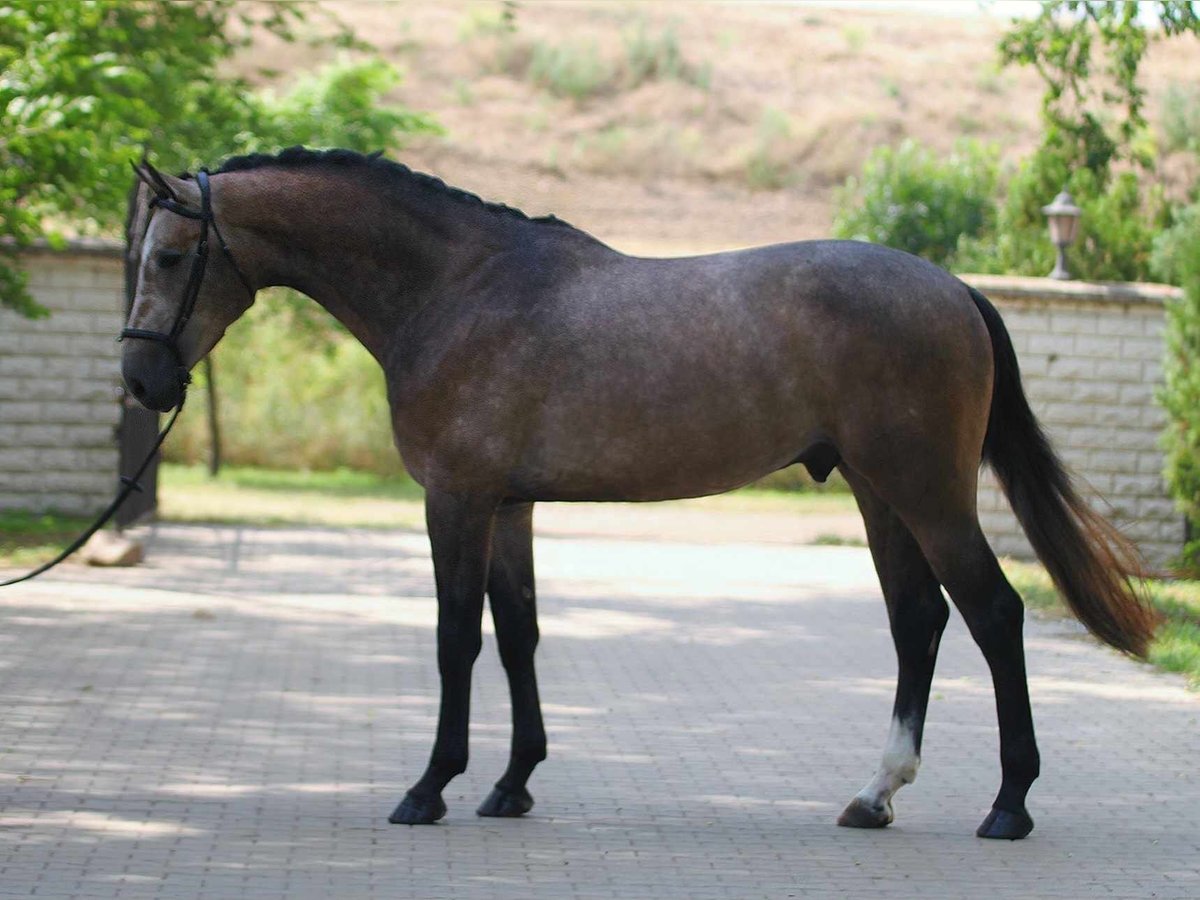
(1005, 825)
(414, 810)
(506, 803)
(861, 814)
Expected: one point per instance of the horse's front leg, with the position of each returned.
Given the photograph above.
(514, 610)
(460, 531)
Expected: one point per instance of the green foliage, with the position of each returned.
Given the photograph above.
(909, 198)
(573, 69)
(332, 483)
(28, 539)
(338, 106)
(658, 57)
(1177, 260)
(1115, 232)
(1088, 55)
(576, 68)
(294, 394)
(88, 84)
(1082, 85)
(1181, 118)
(767, 166)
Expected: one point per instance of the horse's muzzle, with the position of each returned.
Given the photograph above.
(152, 375)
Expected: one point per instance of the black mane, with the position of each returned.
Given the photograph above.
(294, 157)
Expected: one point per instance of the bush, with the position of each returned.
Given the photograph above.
(293, 395)
(910, 199)
(650, 57)
(1181, 118)
(340, 105)
(575, 70)
(1115, 232)
(768, 167)
(1177, 260)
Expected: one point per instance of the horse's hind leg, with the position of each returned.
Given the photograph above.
(959, 554)
(918, 615)
(510, 590)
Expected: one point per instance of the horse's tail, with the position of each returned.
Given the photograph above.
(1093, 565)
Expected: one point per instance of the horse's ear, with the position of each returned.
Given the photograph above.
(154, 179)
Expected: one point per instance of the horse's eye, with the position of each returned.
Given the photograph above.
(168, 258)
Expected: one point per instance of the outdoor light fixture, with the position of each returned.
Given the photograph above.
(1063, 216)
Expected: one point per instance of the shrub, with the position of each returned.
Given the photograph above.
(1115, 232)
(293, 394)
(1177, 260)
(767, 166)
(650, 57)
(1181, 118)
(340, 105)
(575, 70)
(910, 199)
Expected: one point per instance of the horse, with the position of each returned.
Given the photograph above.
(526, 361)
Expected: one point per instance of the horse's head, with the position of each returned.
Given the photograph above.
(186, 286)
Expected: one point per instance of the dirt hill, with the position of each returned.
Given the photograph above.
(673, 128)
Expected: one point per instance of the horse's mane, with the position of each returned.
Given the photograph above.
(375, 163)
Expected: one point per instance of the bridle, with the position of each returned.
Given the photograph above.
(191, 291)
(170, 339)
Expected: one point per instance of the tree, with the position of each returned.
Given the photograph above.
(1088, 54)
(87, 84)
(1059, 44)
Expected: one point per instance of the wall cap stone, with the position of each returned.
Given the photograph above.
(84, 246)
(1021, 287)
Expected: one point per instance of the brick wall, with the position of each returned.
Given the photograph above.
(1091, 360)
(58, 383)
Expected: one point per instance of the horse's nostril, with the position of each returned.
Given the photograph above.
(138, 389)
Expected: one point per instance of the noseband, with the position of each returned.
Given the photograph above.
(191, 292)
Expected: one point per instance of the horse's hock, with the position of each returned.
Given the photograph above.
(1091, 359)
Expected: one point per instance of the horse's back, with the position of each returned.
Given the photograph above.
(618, 377)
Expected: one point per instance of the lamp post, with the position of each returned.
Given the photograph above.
(1063, 216)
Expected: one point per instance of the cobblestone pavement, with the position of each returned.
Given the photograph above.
(237, 717)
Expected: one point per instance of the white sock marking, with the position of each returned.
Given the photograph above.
(898, 768)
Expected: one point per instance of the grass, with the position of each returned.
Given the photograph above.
(767, 168)
(253, 496)
(1176, 646)
(29, 539)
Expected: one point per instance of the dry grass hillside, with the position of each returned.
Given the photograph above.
(686, 127)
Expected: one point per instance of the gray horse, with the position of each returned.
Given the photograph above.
(526, 361)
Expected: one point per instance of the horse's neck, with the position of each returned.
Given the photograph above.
(370, 261)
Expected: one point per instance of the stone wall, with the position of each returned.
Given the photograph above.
(1091, 360)
(59, 378)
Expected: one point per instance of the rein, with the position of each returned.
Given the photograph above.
(129, 484)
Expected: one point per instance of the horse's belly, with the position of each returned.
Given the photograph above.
(621, 455)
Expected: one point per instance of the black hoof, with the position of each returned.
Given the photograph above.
(506, 803)
(1005, 825)
(414, 810)
(860, 814)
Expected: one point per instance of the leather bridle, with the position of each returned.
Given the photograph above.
(191, 291)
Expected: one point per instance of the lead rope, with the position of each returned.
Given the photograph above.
(129, 485)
